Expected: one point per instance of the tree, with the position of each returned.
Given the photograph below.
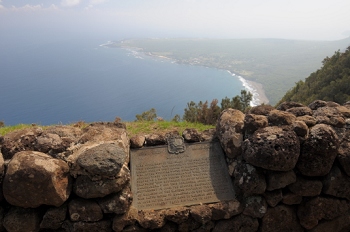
(147, 115)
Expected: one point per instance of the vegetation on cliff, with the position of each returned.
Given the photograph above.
(329, 83)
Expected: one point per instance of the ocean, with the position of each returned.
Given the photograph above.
(70, 80)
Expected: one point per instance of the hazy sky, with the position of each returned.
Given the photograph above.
(115, 19)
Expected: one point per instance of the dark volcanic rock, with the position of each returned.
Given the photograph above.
(339, 224)
(34, 178)
(337, 184)
(343, 153)
(319, 208)
(241, 223)
(230, 131)
(255, 206)
(301, 129)
(201, 213)
(84, 210)
(20, 140)
(278, 180)
(250, 180)
(272, 148)
(117, 203)
(191, 135)
(105, 226)
(290, 198)
(155, 139)
(177, 214)
(309, 120)
(287, 105)
(86, 188)
(281, 218)
(274, 197)
(306, 187)
(317, 104)
(252, 122)
(54, 218)
(226, 209)
(19, 219)
(102, 131)
(318, 151)
(300, 111)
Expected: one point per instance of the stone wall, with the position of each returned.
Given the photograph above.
(290, 168)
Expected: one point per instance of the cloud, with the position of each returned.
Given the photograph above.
(95, 2)
(70, 3)
(29, 7)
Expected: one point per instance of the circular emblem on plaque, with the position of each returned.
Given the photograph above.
(176, 144)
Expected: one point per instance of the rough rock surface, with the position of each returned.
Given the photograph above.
(330, 116)
(151, 219)
(137, 141)
(248, 179)
(84, 210)
(252, 122)
(155, 139)
(230, 131)
(201, 213)
(280, 118)
(343, 153)
(86, 188)
(191, 135)
(19, 219)
(306, 187)
(101, 131)
(104, 225)
(98, 161)
(226, 210)
(341, 224)
(317, 104)
(318, 151)
(255, 206)
(261, 110)
(290, 198)
(34, 178)
(287, 105)
(241, 223)
(309, 120)
(301, 129)
(117, 203)
(337, 184)
(278, 180)
(273, 197)
(272, 148)
(54, 218)
(177, 214)
(20, 140)
(319, 208)
(281, 218)
(300, 111)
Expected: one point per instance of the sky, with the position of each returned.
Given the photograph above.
(117, 19)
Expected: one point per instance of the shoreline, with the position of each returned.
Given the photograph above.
(256, 88)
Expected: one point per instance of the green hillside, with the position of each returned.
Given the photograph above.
(330, 83)
(276, 63)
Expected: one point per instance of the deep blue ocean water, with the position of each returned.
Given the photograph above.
(66, 81)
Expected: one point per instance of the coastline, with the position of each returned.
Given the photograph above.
(256, 88)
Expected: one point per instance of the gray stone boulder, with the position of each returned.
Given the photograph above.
(306, 187)
(2, 167)
(280, 218)
(20, 140)
(117, 203)
(272, 148)
(318, 208)
(201, 213)
(84, 210)
(150, 219)
(290, 198)
(87, 188)
(98, 161)
(240, 223)
(318, 151)
(261, 110)
(278, 180)
(337, 184)
(177, 214)
(339, 224)
(128, 219)
(280, 118)
(34, 178)
(288, 105)
(343, 156)
(230, 131)
(20, 219)
(252, 122)
(54, 217)
(301, 129)
(155, 139)
(248, 179)
(191, 135)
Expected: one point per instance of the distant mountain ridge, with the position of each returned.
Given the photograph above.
(329, 83)
(276, 63)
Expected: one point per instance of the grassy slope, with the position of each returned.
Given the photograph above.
(133, 128)
(276, 63)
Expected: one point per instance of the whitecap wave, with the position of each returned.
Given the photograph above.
(256, 97)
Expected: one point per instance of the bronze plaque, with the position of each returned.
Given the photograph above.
(163, 180)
